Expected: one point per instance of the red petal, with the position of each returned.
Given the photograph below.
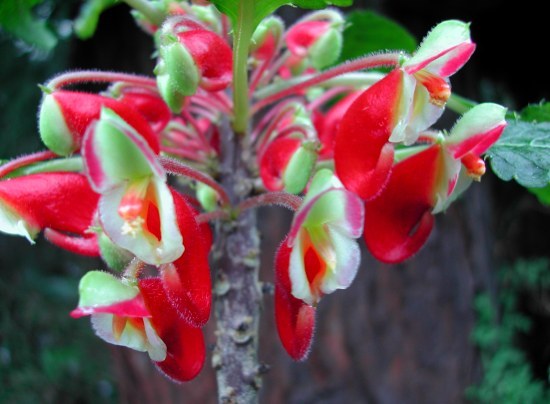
(362, 155)
(151, 107)
(127, 308)
(79, 245)
(274, 161)
(327, 126)
(187, 282)
(399, 221)
(477, 144)
(60, 201)
(295, 319)
(303, 35)
(80, 109)
(184, 344)
(212, 55)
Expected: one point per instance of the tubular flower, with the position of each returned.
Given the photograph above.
(317, 39)
(61, 204)
(399, 221)
(186, 281)
(142, 318)
(322, 257)
(288, 159)
(327, 125)
(191, 56)
(397, 108)
(134, 195)
(65, 116)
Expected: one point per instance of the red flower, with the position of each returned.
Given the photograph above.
(60, 203)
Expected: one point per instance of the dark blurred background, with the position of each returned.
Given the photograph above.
(463, 320)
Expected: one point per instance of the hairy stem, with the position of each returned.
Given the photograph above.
(237, 290)
(367, 62)
(94, 76)
(176, 167)
(287, 200)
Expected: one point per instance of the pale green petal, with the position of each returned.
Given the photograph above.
(155, 346)
(98, 288)
(297, 272)
(13, 223)
(347, 257)
(130, 337)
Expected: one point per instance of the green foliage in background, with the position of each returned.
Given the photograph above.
(46, 356)
(507, 374)
(523, 151)
(382, 34)
(19, 18)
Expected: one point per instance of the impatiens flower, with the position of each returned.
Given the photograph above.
(138, 315)
(322, 257)
(287, 151)
(186, 281)
(149, 105)
(191, 56)
(327, 124)
(60, 203)
(397, 108)
(267, 38)
(287, 164)
(125, 171)
(66, 115)
(317, 38)
(399, 221)
(295, 319)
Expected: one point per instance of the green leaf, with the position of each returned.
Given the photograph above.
(523, 153)
(536, 112)
(16, 17)
(263, 8)
(542, 194)
(85, 24)
(369, 32)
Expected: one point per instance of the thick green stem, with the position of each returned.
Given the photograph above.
(243, 34)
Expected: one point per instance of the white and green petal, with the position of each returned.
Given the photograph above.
(445, 49)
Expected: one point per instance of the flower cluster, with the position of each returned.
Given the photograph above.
(358, 145)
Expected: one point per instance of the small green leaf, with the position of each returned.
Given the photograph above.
(369, 32)
(542, 194)
(523, 153)
(536, 113)
(263, 8)
(16, 17)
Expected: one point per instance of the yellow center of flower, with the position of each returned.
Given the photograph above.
(133, 207)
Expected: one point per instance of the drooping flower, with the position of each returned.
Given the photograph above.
(287, 151)
(399, 221)
(397, 108)
(317, 39)
(191, 56)
(318, 257)
(65, 116)
(61, 203)
(186, 281)
(123, 168)
(139, 315)
(287, 164)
